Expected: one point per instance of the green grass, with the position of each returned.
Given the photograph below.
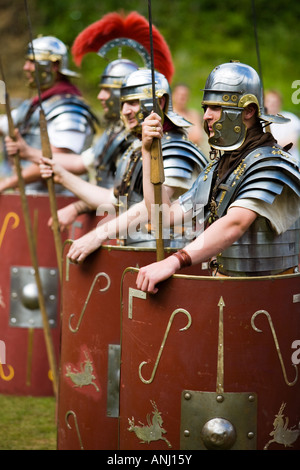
(27, 423)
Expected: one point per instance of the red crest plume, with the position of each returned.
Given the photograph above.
(135, 27)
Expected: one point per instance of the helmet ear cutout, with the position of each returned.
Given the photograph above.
(248, 99)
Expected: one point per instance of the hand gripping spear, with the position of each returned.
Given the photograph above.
(32, 247)
(157, 170)
(47, 152)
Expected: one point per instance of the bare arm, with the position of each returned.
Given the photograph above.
(116, 227)
(69, 160)
(68, 214)
(91, 194)
(30, 175)
(216, 238)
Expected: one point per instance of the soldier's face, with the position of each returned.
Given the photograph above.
(103, 97)
(29, 69)
(130, 110)
(211, 115)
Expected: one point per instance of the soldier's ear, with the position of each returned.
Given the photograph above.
(162, 102)
(250, 111)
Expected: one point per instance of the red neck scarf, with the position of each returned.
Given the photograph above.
(255, 138)
(62, 87)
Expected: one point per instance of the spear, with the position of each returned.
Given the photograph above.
(157, 170)
(32, 247)
(47, 152)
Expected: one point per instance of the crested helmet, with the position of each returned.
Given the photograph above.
(122, 33)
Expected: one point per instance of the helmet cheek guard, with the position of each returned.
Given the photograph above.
(113, 105)
(229, 130)
(46, 74)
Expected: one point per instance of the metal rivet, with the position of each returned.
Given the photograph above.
(186, 433)
(187, 396)
(250, 435)
(220, 398)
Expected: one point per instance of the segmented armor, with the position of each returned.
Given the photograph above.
(261, 175)
(181, 159)
(108, 150)
(65, 113)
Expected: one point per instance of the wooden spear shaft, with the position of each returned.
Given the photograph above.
(46, 150)
(32, 249)
(157, 176)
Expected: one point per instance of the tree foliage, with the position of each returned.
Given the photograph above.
(200, 33)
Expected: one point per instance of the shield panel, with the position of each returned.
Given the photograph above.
(88, 401)
(25, 368)
(207, 364)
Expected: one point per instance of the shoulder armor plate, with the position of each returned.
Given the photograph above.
(267, 170)
(270, 167)
(68, 104)
(181, 157)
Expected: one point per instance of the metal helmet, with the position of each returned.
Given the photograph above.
(233, 86)
(46, 50)
(112, 78)
(138, 85)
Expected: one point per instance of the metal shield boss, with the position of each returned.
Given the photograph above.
(208, 363)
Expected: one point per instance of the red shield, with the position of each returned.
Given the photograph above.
(207, 363)
(88, 401)
(24, 368)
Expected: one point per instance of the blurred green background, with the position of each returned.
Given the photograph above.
(201, 34)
